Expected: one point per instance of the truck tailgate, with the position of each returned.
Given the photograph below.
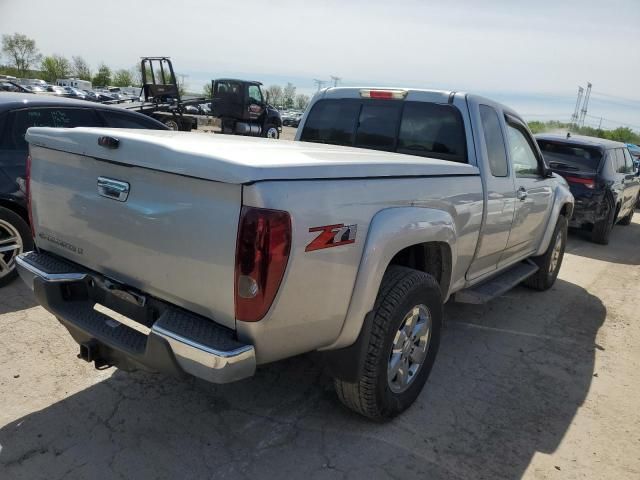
(173, 236)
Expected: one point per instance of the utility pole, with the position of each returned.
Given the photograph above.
(600, 124)
(585, 105)
(574, 117)
(319, 83)
(335, 80)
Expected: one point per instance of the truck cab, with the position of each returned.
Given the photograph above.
(243, 109)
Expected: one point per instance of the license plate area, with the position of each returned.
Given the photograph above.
(126, 305)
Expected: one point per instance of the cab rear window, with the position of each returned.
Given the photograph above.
(413, 128)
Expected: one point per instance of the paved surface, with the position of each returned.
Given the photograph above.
(533, 385)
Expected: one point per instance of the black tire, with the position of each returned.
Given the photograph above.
(172, 124)
(14, 220)
(402, 290)
(626, 220)
(269, 130)
(547, 272)
(602, 229)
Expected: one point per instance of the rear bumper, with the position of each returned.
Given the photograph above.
(165, 338)
(588, 209)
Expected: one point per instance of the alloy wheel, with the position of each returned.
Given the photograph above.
(10, 247)
(409, 349)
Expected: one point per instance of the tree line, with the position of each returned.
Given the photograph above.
(25, 60)
(620, 134)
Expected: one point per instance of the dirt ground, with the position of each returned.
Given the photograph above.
(533, 385)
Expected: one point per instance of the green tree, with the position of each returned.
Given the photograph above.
(136, 75)
(620, 134)
(103, 77)
(302, 101)
(55, 67)
(122, 78)
(207, 90)
(289, 95)
(22, 52)
(81, 68)
(274, 93)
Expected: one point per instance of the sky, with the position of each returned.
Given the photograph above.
(531, 55)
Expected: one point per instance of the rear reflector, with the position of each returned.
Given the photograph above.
(383, 94)
(262, 253)
(587, 182)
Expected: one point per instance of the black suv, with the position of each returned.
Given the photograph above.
(19, 111)
(601, 176)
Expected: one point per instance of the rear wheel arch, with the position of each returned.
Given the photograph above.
(433, 258)
(396, 237)
(15, 208)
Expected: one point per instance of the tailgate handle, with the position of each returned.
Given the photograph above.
(113, 189)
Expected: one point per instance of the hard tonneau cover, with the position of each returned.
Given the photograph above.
(239, 160)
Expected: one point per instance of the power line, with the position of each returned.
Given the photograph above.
(335, 80)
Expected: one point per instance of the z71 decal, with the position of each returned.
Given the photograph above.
(332, 236)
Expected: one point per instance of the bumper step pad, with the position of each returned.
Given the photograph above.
(178, 341)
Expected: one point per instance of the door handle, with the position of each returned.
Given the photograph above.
(521, 194)
(113, 189)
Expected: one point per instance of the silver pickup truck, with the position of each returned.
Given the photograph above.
(209, 255)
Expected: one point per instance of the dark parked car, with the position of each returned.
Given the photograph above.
(601, 176)
(13, 87)
(19, 111)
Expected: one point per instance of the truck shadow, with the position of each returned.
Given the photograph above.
(622, 248)
(508, 381)
(15, 297)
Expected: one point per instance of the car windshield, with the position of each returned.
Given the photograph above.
(567, 156)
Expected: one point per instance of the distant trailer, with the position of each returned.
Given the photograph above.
(75, 83)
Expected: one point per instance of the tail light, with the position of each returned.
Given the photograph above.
(587, 182)
(262, 253)
(27, 179)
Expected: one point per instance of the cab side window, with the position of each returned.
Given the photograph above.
(523, 157)
(119, 120)
(255, 95)
(628, 161)
(495, 141)
(620, 165)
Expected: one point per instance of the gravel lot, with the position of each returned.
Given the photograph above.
(532, 385)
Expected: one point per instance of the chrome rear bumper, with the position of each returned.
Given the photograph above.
(178, 341)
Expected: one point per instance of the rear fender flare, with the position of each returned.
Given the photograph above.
(391, 230)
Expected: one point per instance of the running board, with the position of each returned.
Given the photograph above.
(496, 286)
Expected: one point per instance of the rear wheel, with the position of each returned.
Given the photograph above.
(602, 229)
(15, 238)
(550, 262)
(402, 346)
